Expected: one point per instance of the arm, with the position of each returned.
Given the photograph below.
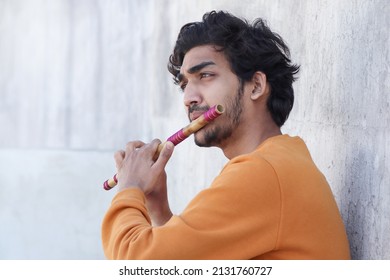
(236, 218)
(157, 204)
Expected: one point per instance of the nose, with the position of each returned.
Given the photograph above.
(192, 95)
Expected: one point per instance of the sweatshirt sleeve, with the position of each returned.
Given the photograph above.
(237, 217)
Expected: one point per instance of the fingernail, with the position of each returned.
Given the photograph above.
(169, 145)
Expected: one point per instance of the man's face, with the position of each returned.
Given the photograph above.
(206, 80)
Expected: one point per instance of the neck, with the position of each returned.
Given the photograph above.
(248, 136)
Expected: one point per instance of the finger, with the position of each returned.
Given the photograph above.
(131, 146)
(165, 155)
(150, 149)
(155, 144)
(118, 157)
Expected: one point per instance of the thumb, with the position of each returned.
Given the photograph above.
(165, 155)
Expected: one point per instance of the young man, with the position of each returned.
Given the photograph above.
(269, 202)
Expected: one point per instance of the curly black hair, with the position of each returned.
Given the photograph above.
(248, 48)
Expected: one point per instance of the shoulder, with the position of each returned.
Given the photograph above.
(251, 170)
(266, 163)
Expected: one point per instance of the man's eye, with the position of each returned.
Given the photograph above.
(205, 75)
(183, 86)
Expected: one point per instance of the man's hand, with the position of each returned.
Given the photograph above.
(137, 169)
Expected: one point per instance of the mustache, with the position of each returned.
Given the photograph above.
(195, 107)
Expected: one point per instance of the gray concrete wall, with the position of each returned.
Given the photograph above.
(78, 79)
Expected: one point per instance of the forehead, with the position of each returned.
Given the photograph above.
(201, 54)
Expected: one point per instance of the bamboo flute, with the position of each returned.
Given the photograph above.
(213, 113)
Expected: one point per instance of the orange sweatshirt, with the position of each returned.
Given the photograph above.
(270, 204)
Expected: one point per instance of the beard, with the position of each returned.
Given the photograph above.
(215, 134)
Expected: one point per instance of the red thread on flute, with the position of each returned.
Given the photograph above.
(211, 114)
(177, 137)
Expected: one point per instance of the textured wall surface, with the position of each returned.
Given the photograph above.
(78, 79)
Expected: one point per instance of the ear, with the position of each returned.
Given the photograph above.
(260, 86)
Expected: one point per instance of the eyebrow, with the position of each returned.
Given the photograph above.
(194, 69)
